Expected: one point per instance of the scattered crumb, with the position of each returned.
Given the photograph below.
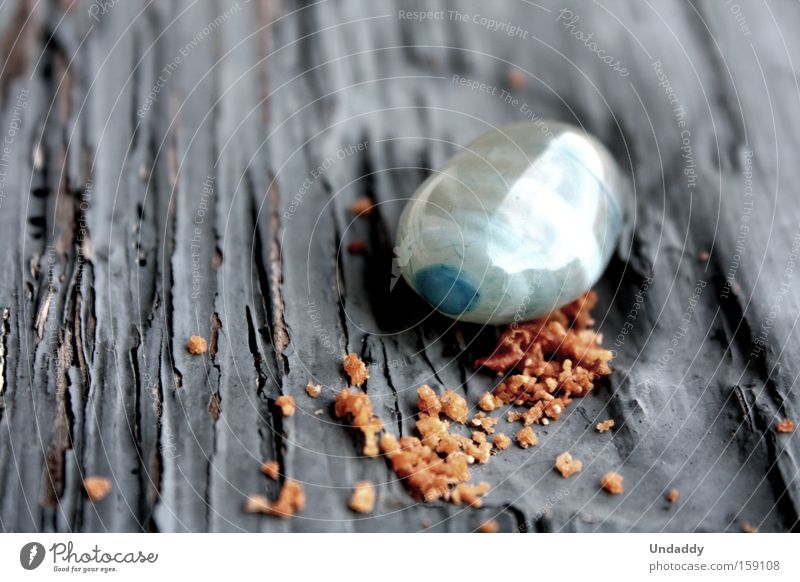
(358, 407)
(484, 422)
(256, 504)
(363, 498)
(469, 493)
(197, 345)
(286, 404)
(501, 441)
(313, 390)
(605, 425)
(271, 469)
(428, 400)
(612, 482)
(527, 438)
(785, 425)
(568, 466)
(97, 488)
(517, 79)
(291, 499)
(318, 412)
(426, 523)
(356, 369)
(748, 527)
(703, 256)
(489, 526)
(489, 402)
(559, 352)
(362, 207)
(672, 496)
(454, 406)
(357, 247)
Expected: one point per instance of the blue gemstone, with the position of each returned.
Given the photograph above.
(520, 222)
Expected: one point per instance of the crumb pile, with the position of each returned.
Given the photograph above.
(556, 358)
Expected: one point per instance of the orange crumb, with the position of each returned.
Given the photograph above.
(197, 345)
(527, 438)
(469, 493)
(568, 466)
(489, 402)
(363, 498)
(356, 369)
(454, 406)
(357, 247)
(256, 504)
(484, 421)
(358, 407)
(605, 425)
(286, 404)
(479, 437)
(97, 488)
(362, 207)
(291, 499)
(517, 79)
(672, 495)
(313, 390)
(489, 526)
(612, 482)
(748, 527)
(785, 425)
(271, 469)
(501, 441)
(428, 400)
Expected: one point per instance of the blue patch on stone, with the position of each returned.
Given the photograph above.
(446, 288)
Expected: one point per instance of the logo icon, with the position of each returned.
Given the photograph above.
(31, 555)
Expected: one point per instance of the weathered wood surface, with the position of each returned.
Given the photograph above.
(122, 234)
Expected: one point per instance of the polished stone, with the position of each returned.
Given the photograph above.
(520, 222)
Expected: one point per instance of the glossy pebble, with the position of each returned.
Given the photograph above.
(520, 222)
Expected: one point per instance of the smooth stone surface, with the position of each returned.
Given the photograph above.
(520, 222)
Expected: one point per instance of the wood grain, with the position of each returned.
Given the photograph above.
(173, 169)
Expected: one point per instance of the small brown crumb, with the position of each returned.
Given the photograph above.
(256, 504)
(469, 493)
(612, 482)
(358, 407)
(363, 498)
(454, 406)
(291, 499)
(97, 488)
(484, 421)
(785, 425)
(672, 496)
(605, 425)
(489, 402)
(356, 369)
(517, 79)
(501, 441)
(426, 523)
(489, 526)
(527, 438)
(362, 207)
(428, 400)
(313, 390)
(357, 247)
(748, 527)
(286, 404)
(568, 466)
(271, 469)
(703, 256)
(197, 345)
